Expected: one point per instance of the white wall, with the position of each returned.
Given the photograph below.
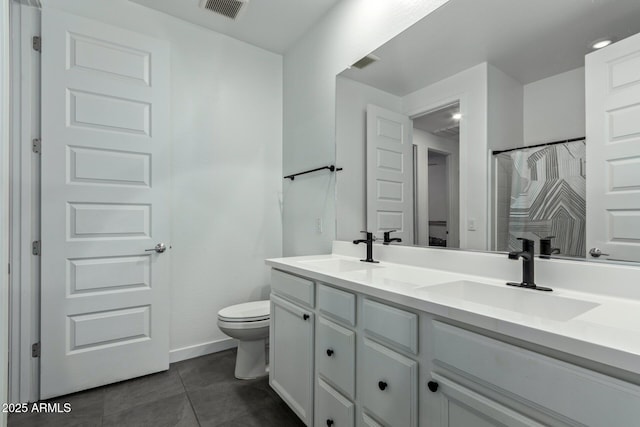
(226, 132)
(351, 111)
(505, 105)
(350, 30)
(470, 87)
(554, 108)
(4, 204)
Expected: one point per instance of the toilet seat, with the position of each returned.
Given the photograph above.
(254, 311)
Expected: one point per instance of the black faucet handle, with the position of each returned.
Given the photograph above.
(545, 247)
(527, 244)
(370, 238)
(514, 255)
(387, 234)
(524, 239)
(546, 240)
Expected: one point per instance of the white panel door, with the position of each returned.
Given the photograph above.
(613, 149)
(389, 173)
(105, 184)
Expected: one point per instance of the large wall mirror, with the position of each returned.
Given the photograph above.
(487, 121)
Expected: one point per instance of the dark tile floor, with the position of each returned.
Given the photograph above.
(195, 392)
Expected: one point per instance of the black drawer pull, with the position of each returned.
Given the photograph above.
(433, 386)
(329, 422)
(305, 316)
(382, 385)
(329, 352)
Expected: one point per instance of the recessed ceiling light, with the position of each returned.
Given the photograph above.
(599, 44)
(457, 116)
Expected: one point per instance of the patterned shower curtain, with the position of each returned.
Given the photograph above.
(548, 188)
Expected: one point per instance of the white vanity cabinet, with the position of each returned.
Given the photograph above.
(345, 359)
(332, 408)
(291, 342)
(458, 406)
(389, 389)
(335, 358)
(482, 381)
(388, 383)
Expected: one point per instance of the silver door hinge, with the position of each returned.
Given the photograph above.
(36, 42)
(36, 145)
(35, 350)
(35, 247)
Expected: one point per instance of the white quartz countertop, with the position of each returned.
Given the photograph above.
(598, 327)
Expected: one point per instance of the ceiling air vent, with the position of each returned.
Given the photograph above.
(229, 8)
(366, 61)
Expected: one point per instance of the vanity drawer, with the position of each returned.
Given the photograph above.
(397, 327)
(292, 287)
(367, 421)
(337, 304)
(335, 355)
(587, 397)
(389, 385)
(333, 409)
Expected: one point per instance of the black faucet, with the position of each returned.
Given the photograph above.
(545, 247)
(388, 239)
(369, 241)
(527, 255)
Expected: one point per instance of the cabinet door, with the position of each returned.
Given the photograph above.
(333, 409)
(335, 358)
(389, 386)
(461, 407)
(291, 356)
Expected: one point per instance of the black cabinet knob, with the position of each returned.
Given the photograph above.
(433, 386)
(382, 385)
(329, 352)
(329, 422)
(305, 316)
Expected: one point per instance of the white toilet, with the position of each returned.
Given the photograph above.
(249, 324)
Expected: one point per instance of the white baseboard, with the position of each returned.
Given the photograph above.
(202, 349)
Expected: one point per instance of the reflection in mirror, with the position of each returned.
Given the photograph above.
(468, 130)
(435, 141)
(539, 194)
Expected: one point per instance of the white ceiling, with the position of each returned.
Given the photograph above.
(270, 24)
(440, 122)
(527, 39)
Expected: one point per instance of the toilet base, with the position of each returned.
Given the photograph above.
(251, 360)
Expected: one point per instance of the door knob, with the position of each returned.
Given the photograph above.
(160, 247)
(596, 252)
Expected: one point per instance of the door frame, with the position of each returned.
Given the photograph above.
(24, 204)
(5, 138)
(448, 161)
(463, 141)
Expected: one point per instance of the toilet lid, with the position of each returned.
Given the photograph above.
(246, 312)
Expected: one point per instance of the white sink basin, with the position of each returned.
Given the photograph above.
(333, 265)
(524, 301)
